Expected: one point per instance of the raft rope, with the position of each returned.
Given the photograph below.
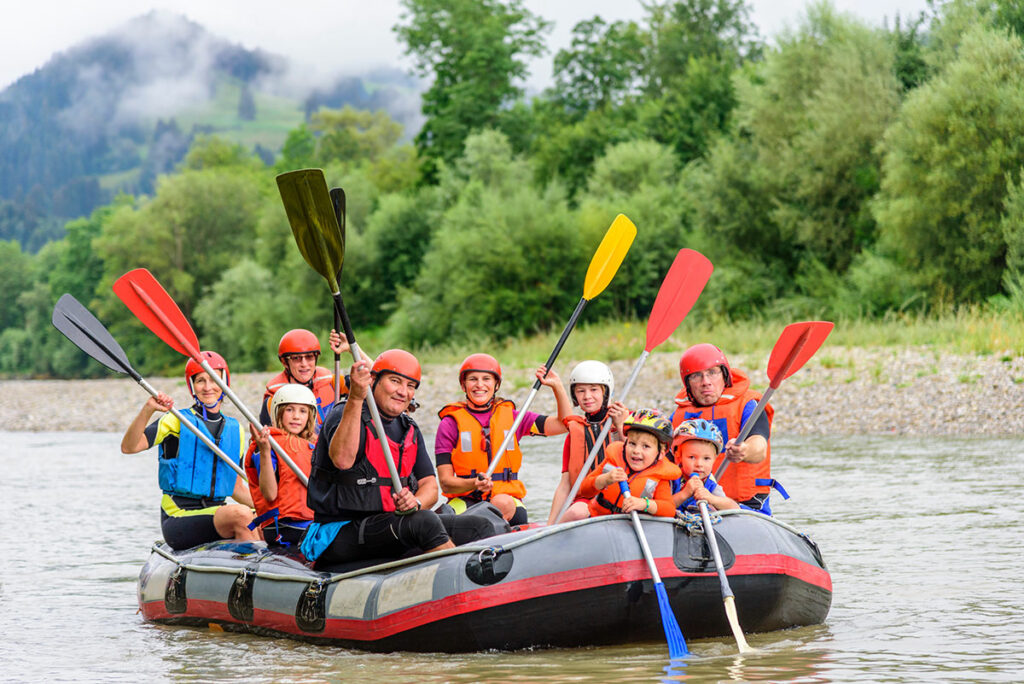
(693, 523)
(690, 521)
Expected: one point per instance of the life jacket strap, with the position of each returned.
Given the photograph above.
(603, 500)
(773, 483)
(350, 479)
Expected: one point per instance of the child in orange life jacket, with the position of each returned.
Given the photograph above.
(642, 463)
(277, 492)
(590, 387)
(695, 446)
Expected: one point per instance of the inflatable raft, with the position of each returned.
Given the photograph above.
(575, 584)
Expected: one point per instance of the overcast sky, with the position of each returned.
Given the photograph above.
(329, 35)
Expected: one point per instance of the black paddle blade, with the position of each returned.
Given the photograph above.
(338, 200)
(307, 203)
(78, 324)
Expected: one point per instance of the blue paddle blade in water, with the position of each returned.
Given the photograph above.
(673, 635)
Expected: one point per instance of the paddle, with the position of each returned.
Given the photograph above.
(83, 329)
(603, 265)
(308, 205)
(152, 305)
(723, 581)
(338, 202)
(679, 290)
(673, 635)
(797, 343)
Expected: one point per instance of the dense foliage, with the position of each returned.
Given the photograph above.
(841, 170)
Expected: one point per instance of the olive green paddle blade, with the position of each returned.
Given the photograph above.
(307, 202)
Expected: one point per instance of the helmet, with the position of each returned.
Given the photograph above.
(291, 394)
(652, 421)
(701, 357)
(215, 361)
(483, 363)
(399, 362)
(591, 373)
(298, 341)
(698, 429)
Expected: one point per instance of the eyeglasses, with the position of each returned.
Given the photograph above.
(307, 356)
(709, 374)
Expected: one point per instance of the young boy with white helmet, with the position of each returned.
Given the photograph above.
(590, 387)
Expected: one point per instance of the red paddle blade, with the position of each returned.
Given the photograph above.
(151, 304)
(797, 343)
(679, 290)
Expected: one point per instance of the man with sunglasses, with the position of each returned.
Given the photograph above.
(298, 352)
(714, 391)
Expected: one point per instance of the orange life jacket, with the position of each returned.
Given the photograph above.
(653, 482)
(322, 386)
(582, 434)
(469, 456)
(727, 414)
(291, 493)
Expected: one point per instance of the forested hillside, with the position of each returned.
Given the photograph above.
(112, 114)
(838, 171)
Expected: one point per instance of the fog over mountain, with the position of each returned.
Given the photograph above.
(102, 116)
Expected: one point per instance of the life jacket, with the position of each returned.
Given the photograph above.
(653, 482)
(322, 386)
(364, 488)
(468, 456)
(733, 407)
(710, 484)
(196, 471)
(291, 493)
(582, 434)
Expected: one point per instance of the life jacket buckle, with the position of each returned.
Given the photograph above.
(366, 480)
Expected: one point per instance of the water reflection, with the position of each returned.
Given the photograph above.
(922, 551)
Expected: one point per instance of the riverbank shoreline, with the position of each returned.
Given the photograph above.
(841, 391)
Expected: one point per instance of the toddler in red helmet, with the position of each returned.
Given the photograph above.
(695, 446)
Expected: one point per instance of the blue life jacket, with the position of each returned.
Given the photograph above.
(196, 471)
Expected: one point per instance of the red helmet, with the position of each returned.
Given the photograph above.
(215, 361)
(701, 357)
(481, 363)
(399, 362)
(298, 341)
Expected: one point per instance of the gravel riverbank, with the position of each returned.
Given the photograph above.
(908, 391)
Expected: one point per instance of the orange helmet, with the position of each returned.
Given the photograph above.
(399, 362)
(215, 361)
(298, 341)
(481, 363)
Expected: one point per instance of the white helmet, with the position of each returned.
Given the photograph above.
(292, 394)
(591, 373)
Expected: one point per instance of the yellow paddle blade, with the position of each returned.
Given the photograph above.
(609, 256)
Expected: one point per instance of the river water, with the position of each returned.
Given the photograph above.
(921, 536)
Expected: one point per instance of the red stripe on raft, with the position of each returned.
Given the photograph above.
(499, 594)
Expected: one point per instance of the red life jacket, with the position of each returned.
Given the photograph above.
(653, 482)
(469, 457)
(727, 414)
(291, 493)
(365, 487)
(322, 386)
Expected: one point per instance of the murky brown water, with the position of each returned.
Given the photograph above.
(922, 538)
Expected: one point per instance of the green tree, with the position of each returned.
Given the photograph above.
(211, 151)
(505, 259)
(474, 52)
(298, 151)
(14, 269)
(601, 68)
(956, 146)
(352, 135)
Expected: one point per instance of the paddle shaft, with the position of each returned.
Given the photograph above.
(644, 546)
(510, 435)
(253, 420)
(723, 581)
(337, 359)
(605, 429)
(371, 402)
